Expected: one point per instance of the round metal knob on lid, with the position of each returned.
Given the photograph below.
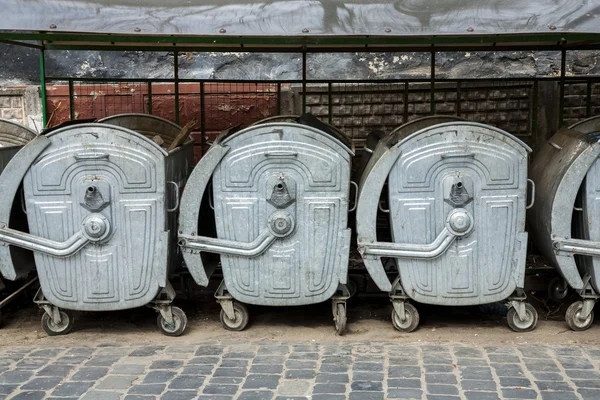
(460, 222)
(96, 227)
(281, 223)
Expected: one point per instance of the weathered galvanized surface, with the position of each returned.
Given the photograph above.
(281, 209)
(457, 194)
(301, 17)
(565, 166)
(178, 164)
(97, 208)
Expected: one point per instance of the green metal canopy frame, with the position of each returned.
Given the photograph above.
(300, 26)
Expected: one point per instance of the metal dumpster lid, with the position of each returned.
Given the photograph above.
(13, 134)
(303, 22)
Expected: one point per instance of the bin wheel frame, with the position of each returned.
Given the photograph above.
(517, 325)
(352, 287)
(179, 322)
(340, 318)
(65, 327)
(411, 318)
(558, 289)
(573, 320)
(241, 321)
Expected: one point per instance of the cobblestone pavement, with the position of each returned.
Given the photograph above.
(327, 371)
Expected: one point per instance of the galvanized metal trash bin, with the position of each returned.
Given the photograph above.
(13, 136)
(281, 210)
(96, 198)
(457, 197)
(567, 233)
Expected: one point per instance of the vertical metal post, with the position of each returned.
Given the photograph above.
(303, 81)
(330, 103)
(278, 98)
(149, 97)
(588, 99)
(202, 118)
(405, 118)
(176, 82)
(458, 99)
(71, 101)
(432, 84)
(43, 87)
(563, 71)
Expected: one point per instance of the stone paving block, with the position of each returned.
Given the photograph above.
(330, 388)
(574, 363)
(226, 381)
(481, 395)
(404, 383)
(449, 379)
(255, 395)
(74, 389)
(547, 376)
(476, 373)
(187, 382)
(101, 395)
(271, 360)
(366, 386)
(89, 374)
(234, 364)
(55, 370)
(128, 369)
(553, 385)
(432, 368)
(179, 395)
(332, 378)
(102, 361)
(209, 360)
(559, 396)
(31, 363)
(166, 364)
(220, 389)
(442, 389)
(582, 374)
(477, 385)
(300, 374)
(514, 382)
(236, 372)
(333, 368)
(409, 394)
(10, 377)
(304, 356)
(117, 382)
(210, 351)
(519, 394)
(29, 395)
(259, 381)
(159, 376)
(296, 364)
(366, 396)
(41, 384)
(197, 370)
(508, 370)
(152, 389)
(46, 353)
(328, 397)
(239, 354)
(367, 376)
(7, 389)
(589, 394)
(293, 387)
(146, 351)
(587, 384)
(139, 397)
(404, 372)
(266, 369)
(504, 359)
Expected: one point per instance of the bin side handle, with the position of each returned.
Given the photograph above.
(352, 183)
(530, 181)
(10, 180)
(176, 188)
(577, 246)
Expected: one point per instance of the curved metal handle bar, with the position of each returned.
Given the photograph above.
(432, 250)
(229, 247)
(532, 194)
(50, 247)
(577, 246)
(352, 183)
(383, 210)
(91, 156)
(176, 186)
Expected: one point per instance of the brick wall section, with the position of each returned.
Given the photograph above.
(226, 105)
(359, 108)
